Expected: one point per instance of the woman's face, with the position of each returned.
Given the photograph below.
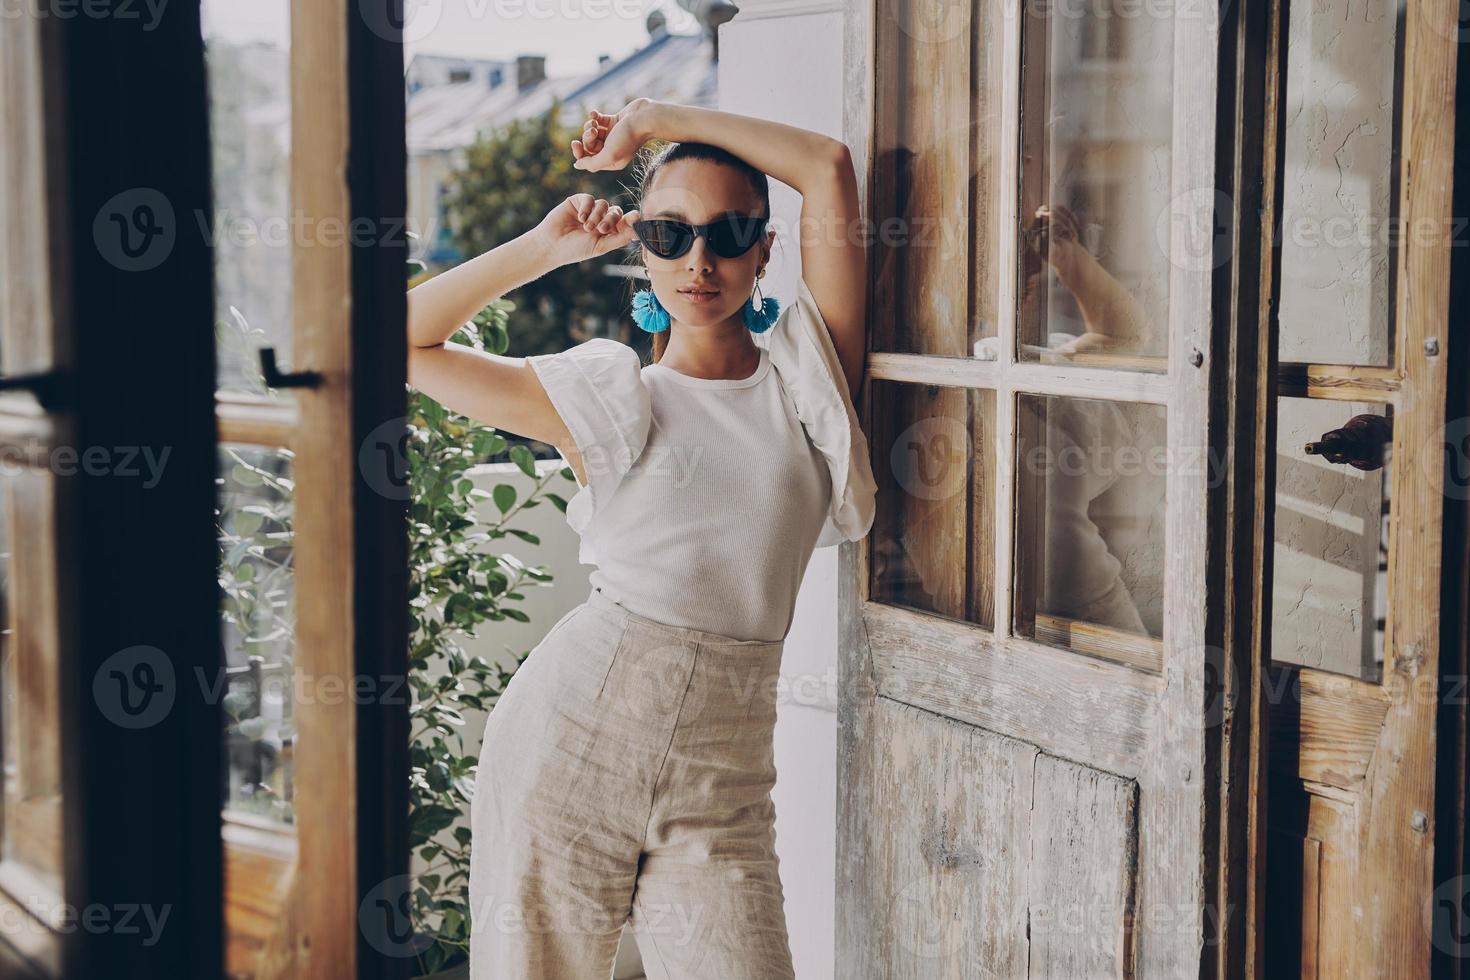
(698, 191)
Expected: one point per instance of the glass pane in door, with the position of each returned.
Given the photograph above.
(1090, 508)
(254, 507)
(247, 57)
(31, 862)
(936, 173)
(29, 196)
(257, 612)
(1334, 471)
(932, 543)
(1096, 204)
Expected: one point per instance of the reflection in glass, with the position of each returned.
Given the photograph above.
(933, 536)
(1340, 172)
(1096, 111)
(30, 680)
(1090, 499)
(935, 250)
(257, 602)
(1330, 577)
(248, 65)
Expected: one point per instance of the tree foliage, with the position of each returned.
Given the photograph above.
(508, 182)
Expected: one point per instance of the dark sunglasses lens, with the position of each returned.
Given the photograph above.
(666, 239)
(734, 235)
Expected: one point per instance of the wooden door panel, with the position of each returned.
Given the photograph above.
(1326, 730)
(1083, 870)
(985, 855)
(939, 885)
(1095, 710)
(1312, 914)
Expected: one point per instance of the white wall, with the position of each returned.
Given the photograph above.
(782, 60)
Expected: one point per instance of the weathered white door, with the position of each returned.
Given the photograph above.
(1028, 706)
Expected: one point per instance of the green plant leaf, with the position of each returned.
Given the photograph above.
(505, 496)
(246, 476)
(522, 457)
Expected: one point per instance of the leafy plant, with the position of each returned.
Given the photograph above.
(457, 581)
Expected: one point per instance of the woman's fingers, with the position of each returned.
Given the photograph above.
(600, 217)
(595, 215)
(592, 136)
(616, 230)
(590, 142)
(611, 219)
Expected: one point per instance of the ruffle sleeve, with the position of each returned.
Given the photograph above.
(802, 352)
(597, 389)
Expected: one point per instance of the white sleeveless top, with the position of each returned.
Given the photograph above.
(706, 497)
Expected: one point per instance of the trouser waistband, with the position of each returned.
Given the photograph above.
(605, 604)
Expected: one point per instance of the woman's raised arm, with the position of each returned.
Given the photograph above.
(494, 389)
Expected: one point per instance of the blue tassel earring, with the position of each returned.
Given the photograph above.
(760, 314)
(649, 312)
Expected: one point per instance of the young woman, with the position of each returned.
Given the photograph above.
(626, 770)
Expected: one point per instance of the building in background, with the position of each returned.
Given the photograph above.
(453, 101)
(428, 70)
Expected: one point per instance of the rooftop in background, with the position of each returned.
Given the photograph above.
(453, 100)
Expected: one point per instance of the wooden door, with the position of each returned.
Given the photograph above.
(1359, 334)
(1030, 726)
(109, 865)
(311, 262)
(204, 721)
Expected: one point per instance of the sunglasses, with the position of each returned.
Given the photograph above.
(727, 237)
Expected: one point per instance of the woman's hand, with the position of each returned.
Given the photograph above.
(610, 142)
(583, 227)
(1055, 236)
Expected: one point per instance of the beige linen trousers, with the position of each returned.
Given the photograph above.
(626, 775)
